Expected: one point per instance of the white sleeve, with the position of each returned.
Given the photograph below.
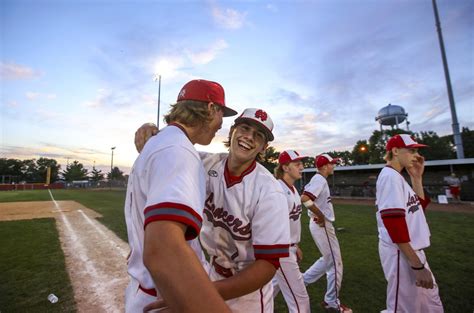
(175, 188)
(271, 226)
(390, 194)
(313, 188)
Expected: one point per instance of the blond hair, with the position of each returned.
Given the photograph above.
(190, 113)
(279, 171)
(388, 156)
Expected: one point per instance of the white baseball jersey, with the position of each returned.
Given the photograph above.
(244, 220)
(288, 279)
(318, 191)
(293, 200)
(167, 182)
(396, 197)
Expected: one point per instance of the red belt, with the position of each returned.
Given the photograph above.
(223, 271)
(151, 292)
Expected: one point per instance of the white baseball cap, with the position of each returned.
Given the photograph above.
(403, 141)
(260, 117)
(324, 159)
(288, 156)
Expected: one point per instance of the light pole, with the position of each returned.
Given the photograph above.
(112, 161)
(158, 78)
(455, 125)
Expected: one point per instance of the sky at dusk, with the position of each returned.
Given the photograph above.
(77, 77)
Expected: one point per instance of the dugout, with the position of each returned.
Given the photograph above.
(359, 180)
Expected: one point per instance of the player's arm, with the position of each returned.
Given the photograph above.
(423, 276)
(416, 176)
(310, 205)
(248, 280)
(176, 269)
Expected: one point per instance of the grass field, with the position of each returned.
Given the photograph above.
(363, 284)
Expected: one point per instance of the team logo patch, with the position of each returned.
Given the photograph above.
(212, 173)
(412, 203)
(296, 212)
(262, 115)
(413, 208)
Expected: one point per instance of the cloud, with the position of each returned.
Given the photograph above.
(206, 56)
(36, 95)
(228, 18)
(271, 7)
(11, 71)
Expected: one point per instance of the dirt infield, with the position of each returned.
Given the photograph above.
(95, 256)
(463, 207)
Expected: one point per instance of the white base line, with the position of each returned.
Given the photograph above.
(97, 286)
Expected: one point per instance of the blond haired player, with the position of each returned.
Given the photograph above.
(404, 232)
(245, 230)
(317, 198)
(163, 207)
(288, 277)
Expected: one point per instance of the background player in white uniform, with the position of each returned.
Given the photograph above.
(245, 229)
(316, 197)
(404, 232)
(288, 277)
(163, 207)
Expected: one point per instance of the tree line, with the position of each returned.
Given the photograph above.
(367, 151)
(35, 171)
(372, 150)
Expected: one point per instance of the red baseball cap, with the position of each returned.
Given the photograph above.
(260, 117)
(324, 159)
(403, 141)
(288, 156)
(206, 91)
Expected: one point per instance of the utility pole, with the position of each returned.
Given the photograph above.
(456, 134)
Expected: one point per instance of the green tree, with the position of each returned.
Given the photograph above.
(468, 142)
(96, 175)
(116, 174)
(345, 156)
(270, 158)
(75, 171)
(29, 170)
(42, 165)
(440, 148)
(360, 153)
(378, 141)
(10, 170)
(308, 162)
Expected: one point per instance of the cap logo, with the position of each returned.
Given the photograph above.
(182, 93)
(262, 115)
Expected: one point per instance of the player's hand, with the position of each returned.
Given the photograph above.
(424, 278)
(145, 132)
(158, 305)
(418, 167)
(299, 254)
(321, 220)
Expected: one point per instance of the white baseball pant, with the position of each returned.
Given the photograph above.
(330, 263)
(289, 279)
(403, 296)
(135, 298)
(258, 301)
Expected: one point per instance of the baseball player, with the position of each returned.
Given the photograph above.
(403, 230)
(163, 207)
(288, 277)
(316, 197)
(245, 229)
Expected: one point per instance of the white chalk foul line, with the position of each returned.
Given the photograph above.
(97, 277)
(106, 237)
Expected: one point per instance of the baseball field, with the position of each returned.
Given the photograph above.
(72, 243)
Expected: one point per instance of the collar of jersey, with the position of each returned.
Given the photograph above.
(292, 188)
(233, 180)
(181, 128)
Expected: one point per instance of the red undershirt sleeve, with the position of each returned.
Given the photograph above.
(396, 225)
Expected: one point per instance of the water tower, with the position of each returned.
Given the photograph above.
(392, 115)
